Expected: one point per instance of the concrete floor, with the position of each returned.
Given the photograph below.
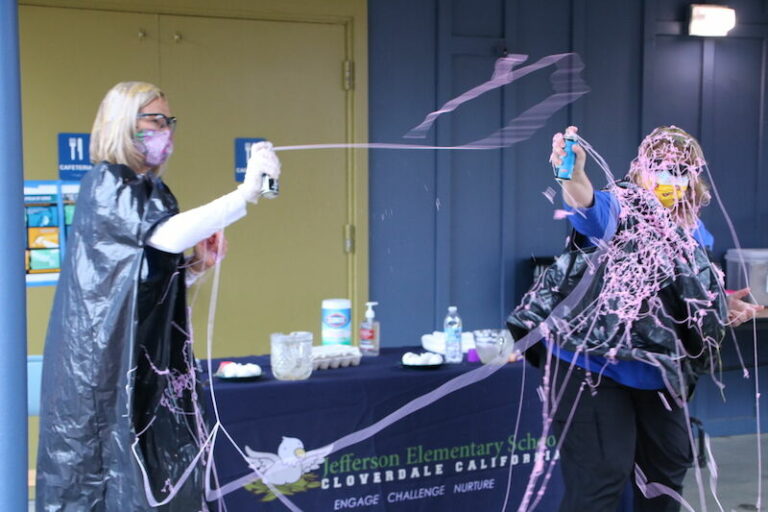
(737, 467)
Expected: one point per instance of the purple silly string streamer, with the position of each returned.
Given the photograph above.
(649, 165)
(568, 87)
(567, 84)
(469, 378)
(656, 239)
(457, 383)
(616, 301)
(743, 269)
(454, 384)
(653, 490)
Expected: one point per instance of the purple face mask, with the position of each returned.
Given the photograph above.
(156, 146)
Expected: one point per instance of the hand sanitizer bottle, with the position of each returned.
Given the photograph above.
(369, 332)
(452, 331)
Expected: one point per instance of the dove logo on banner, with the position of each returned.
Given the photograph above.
(74, 155)
(289, 468)
(242, 154)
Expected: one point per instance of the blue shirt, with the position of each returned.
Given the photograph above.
(599, 222)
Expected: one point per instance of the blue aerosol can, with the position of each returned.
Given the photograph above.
(565, 170)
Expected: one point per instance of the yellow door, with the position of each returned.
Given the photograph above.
(279, 80)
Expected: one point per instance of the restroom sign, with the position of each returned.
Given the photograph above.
(74, 155)
(242, 153)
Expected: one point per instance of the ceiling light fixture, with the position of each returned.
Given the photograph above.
(711, 20)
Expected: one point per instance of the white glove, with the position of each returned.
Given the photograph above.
(263, 162)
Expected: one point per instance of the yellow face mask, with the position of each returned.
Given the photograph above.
(668, 195)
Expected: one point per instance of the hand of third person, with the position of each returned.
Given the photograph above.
(740, 311)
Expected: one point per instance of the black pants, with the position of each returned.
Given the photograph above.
(610, 432)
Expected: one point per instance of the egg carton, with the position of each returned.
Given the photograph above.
(335, 356)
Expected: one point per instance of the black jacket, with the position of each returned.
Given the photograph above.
(678, 327)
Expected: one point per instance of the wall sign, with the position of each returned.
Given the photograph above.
(242, 153)
(74, 155)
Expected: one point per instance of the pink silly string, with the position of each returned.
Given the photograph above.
(218, 493)
(743, 269)
(524, 124)
(566, 81)
(713, 471)
(502, 75)
(654, 490)
(515, 433)
(692, 444)
(693, 320)
(426, 400)
(550, 469)
(414, 405)
(626, 256)
(639, 260)
(547, 419)
(664, 401)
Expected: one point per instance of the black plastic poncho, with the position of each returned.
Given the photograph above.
(683, 333)
(119, 390)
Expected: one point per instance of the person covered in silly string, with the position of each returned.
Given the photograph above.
(121, 427)
(621, 362)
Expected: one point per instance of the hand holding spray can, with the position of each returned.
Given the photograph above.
(262, 162)
(565, 169)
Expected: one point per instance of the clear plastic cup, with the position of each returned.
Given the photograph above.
(291, 355)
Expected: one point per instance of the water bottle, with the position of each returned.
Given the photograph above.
(452, 331)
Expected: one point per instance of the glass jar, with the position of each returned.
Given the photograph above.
(291, 355)
(490, 344)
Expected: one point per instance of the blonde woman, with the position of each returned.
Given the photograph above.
(622, 362)
(122, 426)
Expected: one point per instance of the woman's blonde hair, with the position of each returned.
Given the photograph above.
(114, 128)
(666, 147)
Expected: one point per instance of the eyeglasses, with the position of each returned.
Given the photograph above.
(162, 121)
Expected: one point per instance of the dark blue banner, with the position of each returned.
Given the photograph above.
(456, 454)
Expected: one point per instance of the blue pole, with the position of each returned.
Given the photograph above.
(13, 312)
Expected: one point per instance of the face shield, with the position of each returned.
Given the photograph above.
(668, 161)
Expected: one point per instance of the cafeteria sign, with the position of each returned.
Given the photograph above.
(74, 155)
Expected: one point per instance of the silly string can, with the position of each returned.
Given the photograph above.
(270, 187)
(337, 322)
(565, 171)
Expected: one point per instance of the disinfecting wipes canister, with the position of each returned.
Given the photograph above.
(337, 322)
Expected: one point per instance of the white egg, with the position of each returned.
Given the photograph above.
(229, 370)
(253, 370)
(435, 359)
(410, 358)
